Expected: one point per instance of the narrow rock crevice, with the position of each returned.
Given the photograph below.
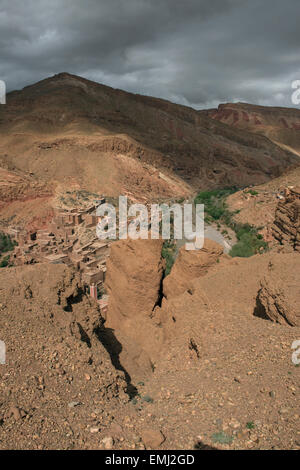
(160, 294)
(114, 348)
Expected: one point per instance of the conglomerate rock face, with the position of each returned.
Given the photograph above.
(286, 228)
(279, 296)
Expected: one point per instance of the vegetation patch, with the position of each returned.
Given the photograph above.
(250, 425)
(4, 262)
(222, 438)
(6, 245)
(215, 202)
(250, 242)
(252, 192)
(77, 198)
(169, 254)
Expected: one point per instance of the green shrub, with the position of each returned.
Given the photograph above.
(168, 253)
(214, 202)
(241, 250)
(180, 200)
(249, 243)
(6, 243)
(222, 438)
(4, 262)
(252, 192)
(243, 229)
(250, 425)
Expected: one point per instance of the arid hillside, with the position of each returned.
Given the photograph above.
(68, 133)
(257, 205)
(65, 127)
(281, 125)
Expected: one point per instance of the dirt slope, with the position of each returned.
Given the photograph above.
(58, 382)
(257, 205)
(221, 375)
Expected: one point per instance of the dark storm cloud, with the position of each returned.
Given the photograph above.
(193, 52)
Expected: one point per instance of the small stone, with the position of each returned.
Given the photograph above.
(108, 442)
(72, 404)
(87, 377)
(152, 438)
(115, 430)
(17, 413)
(94, 430)
(283, 411)
(272, 394)
(250, 444)
(234, 424)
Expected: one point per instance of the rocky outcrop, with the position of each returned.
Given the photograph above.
(133, 282)
(286, 227)
(142, 306)
(190, 265)
(281, 125)
(279, 296)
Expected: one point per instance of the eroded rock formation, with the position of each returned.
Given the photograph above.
(286, 227)
(190, 265)
(142, 313)
(133, 282)
(279, 296)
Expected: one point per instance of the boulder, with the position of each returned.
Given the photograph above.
(190, 265)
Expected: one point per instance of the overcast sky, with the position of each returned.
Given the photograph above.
(195, 52)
